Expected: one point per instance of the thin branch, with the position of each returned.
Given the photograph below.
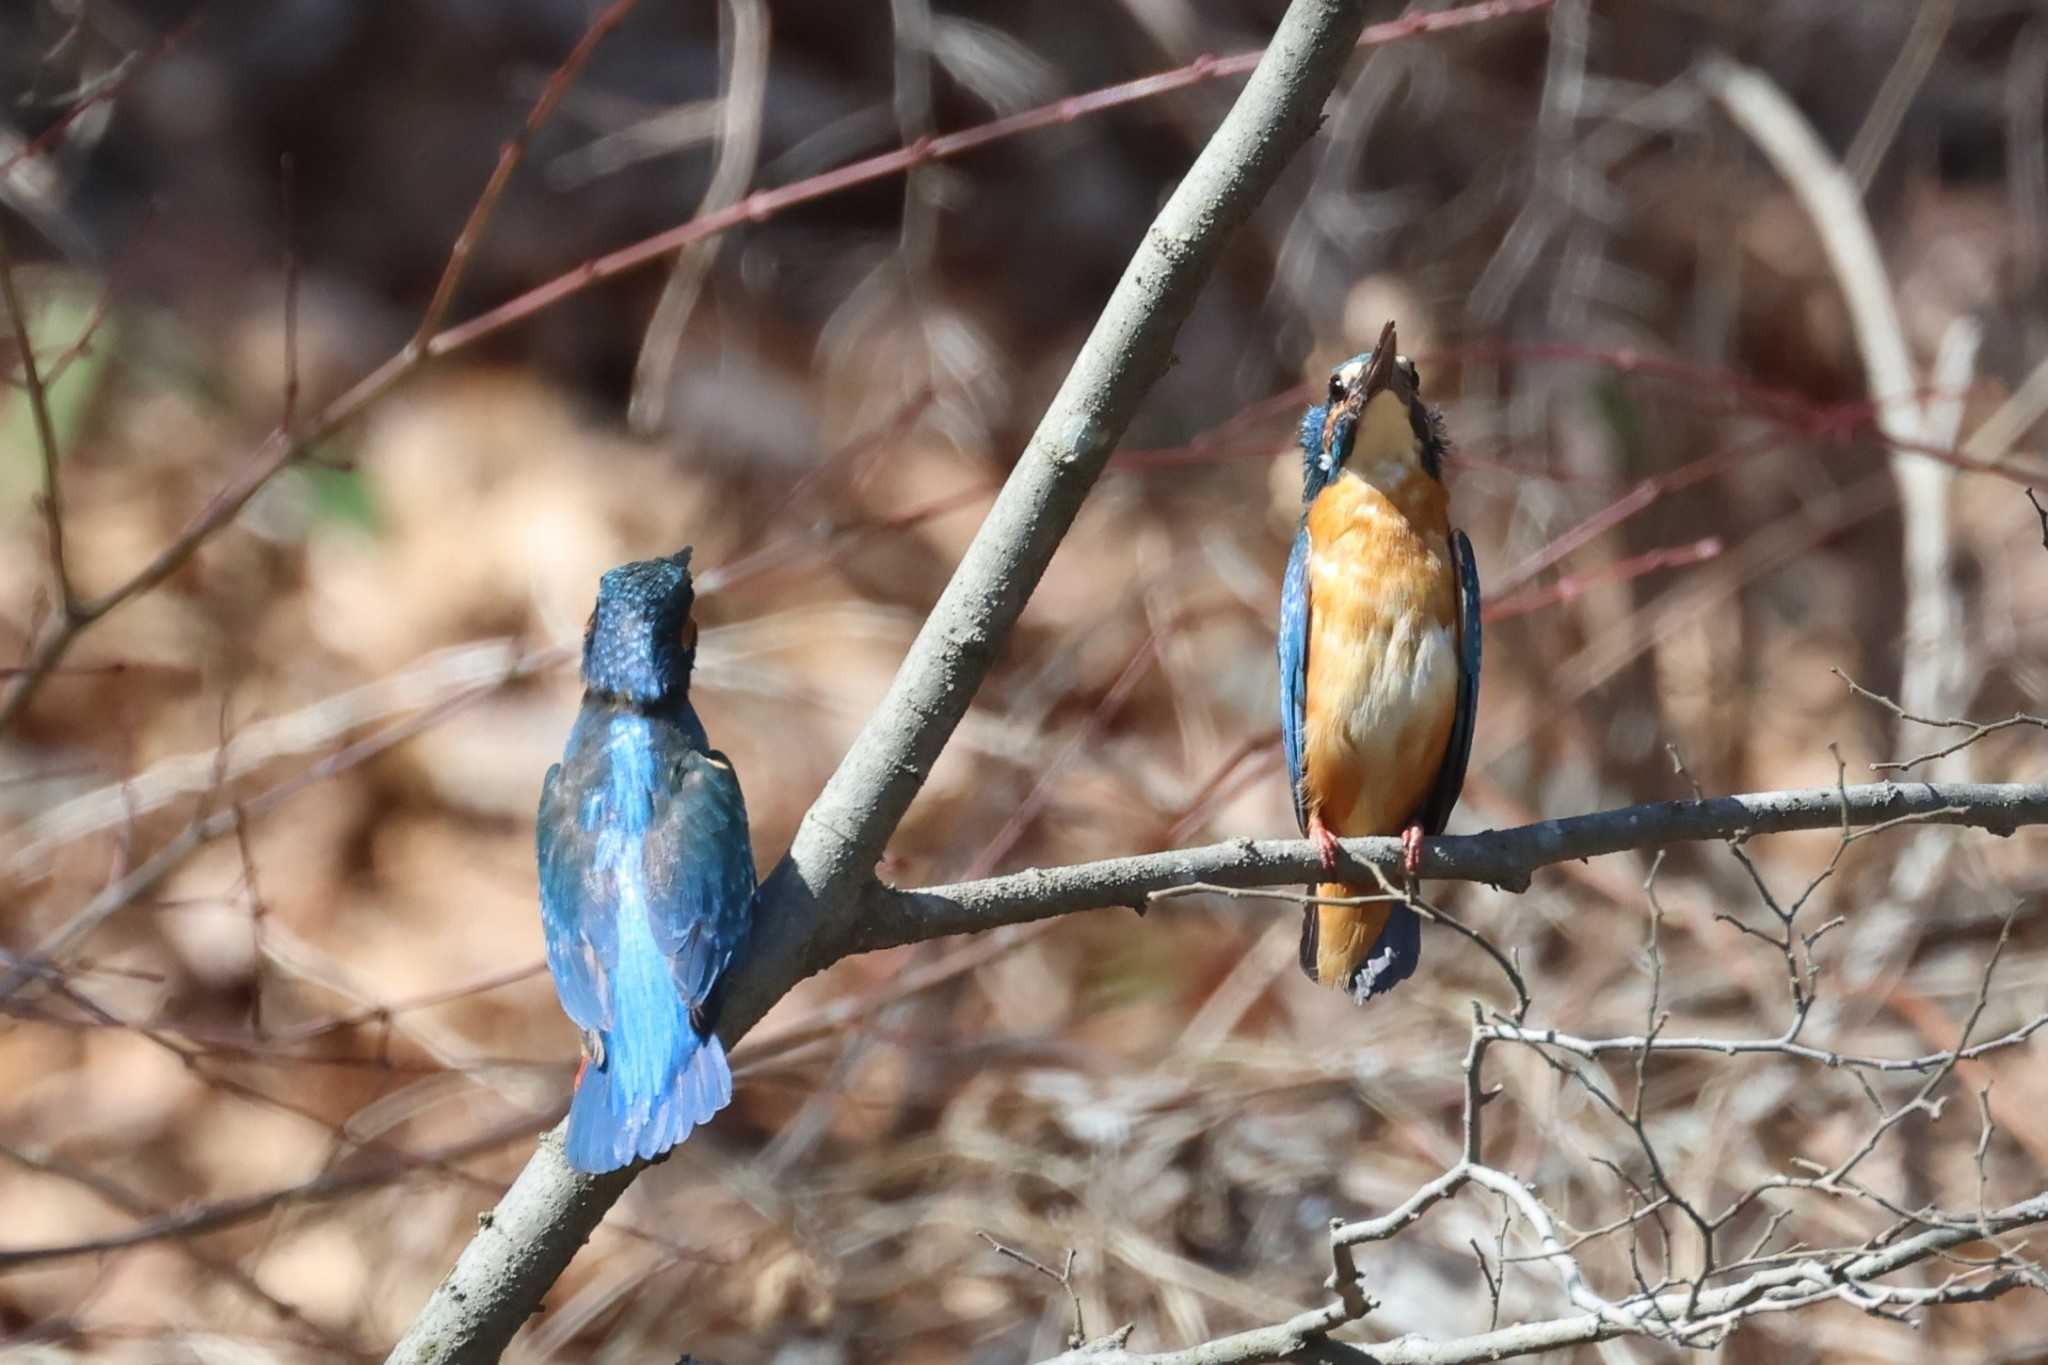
(1909, 71)
(103, 89)
(1572, 586)
(288, 211)
(1977, 729)
(1293, 1339)
(207, 1258)
(1781, 1046)
(1831, 199)
(743, 53)
(509, 157)
(205, 828)
(46, 433)
(1063, 1277)
(231, 1212)
(1504, 858)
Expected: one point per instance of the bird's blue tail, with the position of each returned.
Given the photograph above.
(1392, 958)
(613, 1122)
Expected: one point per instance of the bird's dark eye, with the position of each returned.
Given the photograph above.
(1408, 369)
(1336, 388)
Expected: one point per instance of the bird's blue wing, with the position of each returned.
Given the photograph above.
(1450, 778)
(582, 939)
(699, 873)
(1294, 667)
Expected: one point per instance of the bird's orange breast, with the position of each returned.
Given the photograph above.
(1382, 683)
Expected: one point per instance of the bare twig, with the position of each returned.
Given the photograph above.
(106, 88)
(509, 157)
(206, 827)
(231, 1212)
(1977, 729)
(743, 53)
(1295, 1339)
(287, 194)
(1063, 1277)
(46, 434)
(135, 1206)
(1572, 586)
(1909, 71)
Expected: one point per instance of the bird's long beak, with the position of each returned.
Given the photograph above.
(1341, 420)
(1380, 374)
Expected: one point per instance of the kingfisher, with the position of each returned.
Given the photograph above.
(646, 876)
(1379, 654)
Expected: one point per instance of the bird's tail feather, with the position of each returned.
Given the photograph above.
(1362, 950)
(609, 1127)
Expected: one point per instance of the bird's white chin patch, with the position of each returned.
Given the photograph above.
(1385, 433)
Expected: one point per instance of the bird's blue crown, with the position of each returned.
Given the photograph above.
(641, 643)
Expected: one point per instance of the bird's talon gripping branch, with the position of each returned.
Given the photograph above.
(1325, 842)
(1411, 852)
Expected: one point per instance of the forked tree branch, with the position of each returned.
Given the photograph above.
(828, 874)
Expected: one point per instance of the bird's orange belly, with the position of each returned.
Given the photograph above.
(1382, 681)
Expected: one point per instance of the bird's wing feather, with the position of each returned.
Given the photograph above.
(699, 872)
(582, 940)
(1450, 778)
(1294, 668)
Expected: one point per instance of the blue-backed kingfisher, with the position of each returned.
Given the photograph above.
(1379, 654)
(646, 876)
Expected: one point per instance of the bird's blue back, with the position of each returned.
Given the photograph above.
(647, 879)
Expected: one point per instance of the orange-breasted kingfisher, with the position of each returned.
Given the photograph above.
(646, 876)
(1379, 654)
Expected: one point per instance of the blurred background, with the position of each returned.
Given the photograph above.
(255, 1112)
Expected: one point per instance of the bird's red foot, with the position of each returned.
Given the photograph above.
(1326, 843)
(1411, 852)
(593, 1051)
